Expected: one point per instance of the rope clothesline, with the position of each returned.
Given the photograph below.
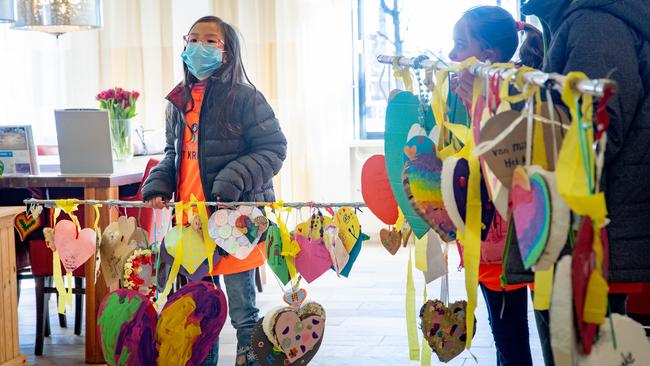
(595, 87)
(137, 204)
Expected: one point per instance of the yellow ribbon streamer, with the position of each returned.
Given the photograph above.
(209, 245)
(411, 322)
(180, 254)
(577, 184)
(290, 248)
(425, 355)
(403, 73)
(65, 295)
(543, 289)
(421, 252)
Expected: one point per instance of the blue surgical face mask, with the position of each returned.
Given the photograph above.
(202, 60)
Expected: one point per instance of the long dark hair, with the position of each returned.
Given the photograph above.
(495, 28)
(231, 72)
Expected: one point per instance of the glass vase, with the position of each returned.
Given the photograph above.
(121, 139)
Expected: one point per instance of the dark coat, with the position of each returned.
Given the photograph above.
(610, 39)
(235, 166)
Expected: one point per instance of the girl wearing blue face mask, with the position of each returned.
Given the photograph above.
(223, 144)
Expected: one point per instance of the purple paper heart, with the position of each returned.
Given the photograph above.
(461, 179)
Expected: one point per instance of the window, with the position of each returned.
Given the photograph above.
(417, 27)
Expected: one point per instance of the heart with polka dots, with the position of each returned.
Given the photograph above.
(298, 333)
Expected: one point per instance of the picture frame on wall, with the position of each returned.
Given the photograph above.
(17, 151)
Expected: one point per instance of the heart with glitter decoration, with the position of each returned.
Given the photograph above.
(453, 182)
(238, 231)
(444, 328)
(132, 333)
(421, 182)
(531, 210)
(297, 333)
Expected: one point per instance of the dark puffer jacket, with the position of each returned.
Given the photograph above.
(233, 166)
(611, 38)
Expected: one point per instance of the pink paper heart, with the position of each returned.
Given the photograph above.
(74, 251)
(531, 207)
(313, 259)
(298, 336)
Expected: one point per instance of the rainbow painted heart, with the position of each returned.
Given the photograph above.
(453, 182)
(421, 182)
(531, 209)
(132, 333)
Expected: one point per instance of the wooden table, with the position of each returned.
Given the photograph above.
(95, 187)
(9, 354)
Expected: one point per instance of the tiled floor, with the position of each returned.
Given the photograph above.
(365, 318)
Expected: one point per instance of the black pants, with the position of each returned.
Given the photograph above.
(510, 331)
(617, 304)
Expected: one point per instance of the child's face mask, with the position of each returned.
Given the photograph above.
(202, 60)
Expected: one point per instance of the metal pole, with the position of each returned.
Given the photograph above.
(52, 203)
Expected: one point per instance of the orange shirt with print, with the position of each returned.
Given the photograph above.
(190, 184)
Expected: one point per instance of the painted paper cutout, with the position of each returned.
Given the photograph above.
(238, 231)
(376, 190)
(313, 259)
(444, 328)
(115, 248)
(73, 249)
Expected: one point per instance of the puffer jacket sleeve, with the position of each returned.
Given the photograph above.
(267, 149)
(603, 46)
(162, 179)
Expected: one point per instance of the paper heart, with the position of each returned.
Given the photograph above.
(422, 187)
(349, 229)
(202, 271)
(531, 210)
(376, 190)
(131, 332)
(410, 152)
(354, 254)
(140, 272)
(444, 328)
(195, 251)
(313, 228)
(264, 339)
(626, 344)
(296, 298)
(238, 231)
(115, 248)
(583, 267)
(560, 221)
(402, 111)
(334, 245)
(74, 250)
(453, 182)
(391, 240)
(26, 225)
(418, 144)
(274, 256)
(313, 259)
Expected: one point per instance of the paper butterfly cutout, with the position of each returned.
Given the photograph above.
(298, 333)
(454, 180)
(531, 210)
(131, 332)
(238, 231)
(444, 328)
(74, 249)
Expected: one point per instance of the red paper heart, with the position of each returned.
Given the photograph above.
(376, 190)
